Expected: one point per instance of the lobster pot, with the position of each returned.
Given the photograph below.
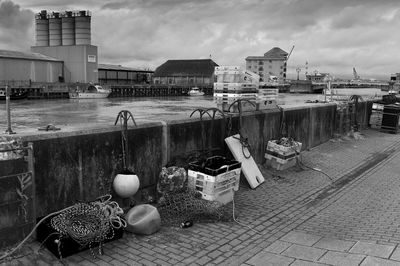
(215, 178)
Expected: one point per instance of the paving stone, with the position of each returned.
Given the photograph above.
(303, 252)
(267, 258)
(334, 244)
(306, 263)
(396, 254)
(301, 238)
(278, 247)
(372, 249)
(341, 258)
(373, 261)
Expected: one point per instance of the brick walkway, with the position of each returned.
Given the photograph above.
(299, 218)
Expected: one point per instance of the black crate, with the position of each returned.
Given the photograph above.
(390, 118)
(66, 246)
(214, 165)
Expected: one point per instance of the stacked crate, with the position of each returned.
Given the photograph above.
(375, 119)
(215, 178)
(234, 83)
(281, 157)
(267, 99)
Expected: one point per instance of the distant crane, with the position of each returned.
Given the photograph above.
(355, 74)
(287, 58)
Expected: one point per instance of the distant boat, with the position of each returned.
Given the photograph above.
(91, 92)
(13, 96)
(195, 92)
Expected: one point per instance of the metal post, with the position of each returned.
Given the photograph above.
(31, 166)
(9, 130)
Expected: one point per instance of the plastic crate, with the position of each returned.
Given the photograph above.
(215, 178)
(279, 163)
(282, 151)
(233, 87)
(235, 74)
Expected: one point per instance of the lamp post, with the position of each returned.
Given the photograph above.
(9, 130)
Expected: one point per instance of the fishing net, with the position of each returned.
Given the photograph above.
(186, 204)
(88, 223)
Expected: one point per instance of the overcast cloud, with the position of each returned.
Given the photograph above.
(332, 35)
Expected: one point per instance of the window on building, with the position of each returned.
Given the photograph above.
(260, 63)
(260, 69)
(249, 67)
(270, 61)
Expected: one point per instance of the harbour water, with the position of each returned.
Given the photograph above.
(67, 114)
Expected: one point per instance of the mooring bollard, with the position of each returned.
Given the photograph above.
(8, 93)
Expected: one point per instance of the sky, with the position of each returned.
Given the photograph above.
(333, 36)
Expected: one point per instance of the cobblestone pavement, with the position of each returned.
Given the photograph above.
(297, 217)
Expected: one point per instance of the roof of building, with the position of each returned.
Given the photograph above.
(121, 68)
(274, 53)
(27, 56)
(188, 67)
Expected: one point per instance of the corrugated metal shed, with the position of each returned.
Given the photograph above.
(26, 55)
(190, 67)
(121, 68)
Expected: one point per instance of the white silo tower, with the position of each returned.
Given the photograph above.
(55, 29)
(68, 28)
(42, 29)
(82, 28)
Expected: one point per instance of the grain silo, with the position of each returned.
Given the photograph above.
(70, 42)
(82, 28)
(55, 29)
(42, 29)
(68, 28)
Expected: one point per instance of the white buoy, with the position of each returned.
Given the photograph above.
(126, 185)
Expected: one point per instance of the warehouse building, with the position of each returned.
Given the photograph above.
(271, 66)
(191, 72)
(119, 75)
(25, 67)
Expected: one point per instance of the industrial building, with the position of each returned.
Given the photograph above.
(190, 72)
(271, 66)
(119, 75)
(23, 68)
(63, 54)
(67, 36)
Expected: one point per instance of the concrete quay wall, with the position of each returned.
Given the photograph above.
(78, 166)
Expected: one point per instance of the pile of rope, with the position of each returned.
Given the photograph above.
(88, 223)
(187, 205)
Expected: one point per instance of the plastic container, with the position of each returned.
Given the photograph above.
(235, 74)
(283, 151)
(143, 219)
(215, 178)
(235, 87)
(279, 163)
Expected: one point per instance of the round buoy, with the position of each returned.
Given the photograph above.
(126, 185)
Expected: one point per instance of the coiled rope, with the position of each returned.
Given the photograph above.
(103, 215)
